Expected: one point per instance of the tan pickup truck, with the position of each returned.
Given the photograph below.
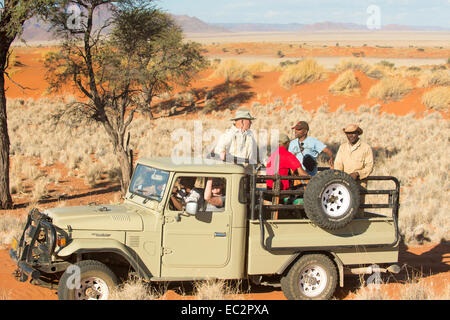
(305, 238)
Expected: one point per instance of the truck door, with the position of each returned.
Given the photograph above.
(192, 244)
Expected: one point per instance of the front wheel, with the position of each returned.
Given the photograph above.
(87, 280)
(312, 277)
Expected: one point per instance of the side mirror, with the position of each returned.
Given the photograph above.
(192, 208)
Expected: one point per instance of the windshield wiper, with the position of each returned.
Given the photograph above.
(152, 196)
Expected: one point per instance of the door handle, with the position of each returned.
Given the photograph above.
(220, 234)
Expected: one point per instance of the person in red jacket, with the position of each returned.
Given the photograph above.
(281, 161)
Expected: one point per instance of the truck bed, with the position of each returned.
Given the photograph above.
(367, 240)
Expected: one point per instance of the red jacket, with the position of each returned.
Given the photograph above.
(286, 161)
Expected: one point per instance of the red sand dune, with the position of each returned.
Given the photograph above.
(31, 74)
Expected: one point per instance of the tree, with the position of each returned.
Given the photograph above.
(120, 73)
(13, 14)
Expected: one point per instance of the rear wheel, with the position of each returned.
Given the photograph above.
(312, 277)
(87, 280)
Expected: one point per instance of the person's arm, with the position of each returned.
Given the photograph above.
(215, 201)
(330, 154)
(208, 190)
(296, 166)
(301, 172)
(176, 202)
(223, 144)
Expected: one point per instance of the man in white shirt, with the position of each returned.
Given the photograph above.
(238, 141)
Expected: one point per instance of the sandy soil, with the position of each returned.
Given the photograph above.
(352, 38)
(432, 260)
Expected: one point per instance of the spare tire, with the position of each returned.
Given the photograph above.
(331, 199)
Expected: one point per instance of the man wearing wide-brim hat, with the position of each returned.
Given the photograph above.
(354, 157)
(238, 141)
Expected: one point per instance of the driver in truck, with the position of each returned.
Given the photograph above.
(184, 192)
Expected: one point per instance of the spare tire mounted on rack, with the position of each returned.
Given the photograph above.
(331, 199)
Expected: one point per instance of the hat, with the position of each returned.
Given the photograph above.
(283, 138)
(353, 128)
(301, 125)
(243, 114)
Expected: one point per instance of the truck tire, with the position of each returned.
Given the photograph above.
(331, 199)
(312, 277)
(96, 281)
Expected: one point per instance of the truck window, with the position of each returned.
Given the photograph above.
(209, 192)
(149, 182)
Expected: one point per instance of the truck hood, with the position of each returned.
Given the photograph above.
(121, 217)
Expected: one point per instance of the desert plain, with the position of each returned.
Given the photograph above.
(59, 165)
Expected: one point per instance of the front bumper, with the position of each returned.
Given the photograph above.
(34, 251)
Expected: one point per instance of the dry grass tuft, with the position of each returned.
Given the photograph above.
(346, 83)
(434, 78)
(305, 71)
(416, 287)
(11, 226)
(5, 295)
(261, 67)
(437, 99)
(134, 289)
(353, 64)
(233, 70)
(391, 88)
(217, 290)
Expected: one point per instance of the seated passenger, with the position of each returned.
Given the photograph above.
(214, 195)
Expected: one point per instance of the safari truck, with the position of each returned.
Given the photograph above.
(305, 238)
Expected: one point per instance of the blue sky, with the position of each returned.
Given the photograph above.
(403, 12)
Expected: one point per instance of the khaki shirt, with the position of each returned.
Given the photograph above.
(238, 143)
(357, 158)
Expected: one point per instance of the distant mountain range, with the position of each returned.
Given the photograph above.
(36, 30)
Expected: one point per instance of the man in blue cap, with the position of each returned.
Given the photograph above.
(307, 149)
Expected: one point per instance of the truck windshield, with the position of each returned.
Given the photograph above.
(149, 182)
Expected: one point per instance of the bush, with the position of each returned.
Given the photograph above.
(305, 71)
(436, 78)
(354, 64)
(437, 99)
(346, 83)
(386, 64)
(232, 70)
(260, 67)
(392, 88)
